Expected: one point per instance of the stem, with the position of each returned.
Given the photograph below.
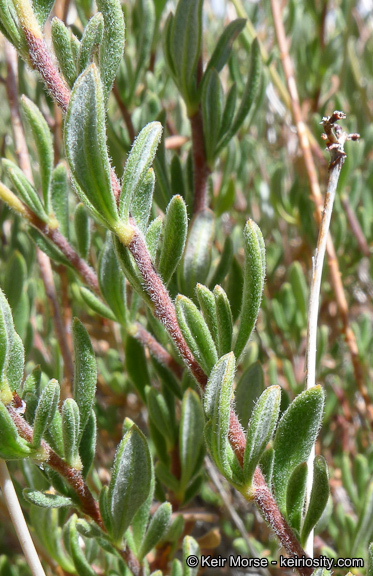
(164, 310)
(201, 170)
(72, 476)
(125, 113)
(18, 520)
(59, 328)
(335, 275)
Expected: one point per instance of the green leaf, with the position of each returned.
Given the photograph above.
(261, 427)
(190, 548)
(46, 500)
(212, 104)
(91, 40)
(174, 237)
(224, 264)
(112, 46)
(96, 304)
(196, 333)
(224, 321)
(249, 95)
(87, 446)
(45, 411)
(190, 435)
(254, 274)
(185, 46)
(195, 264)
(81, 563)
(44, 145)
(217, 406)
(207, 304)
(11, 28)
(85, 144)
(235, 288)
(137, 366)
(48, 247)
(10, 351)
(152, 237)
(228, 112)
(266, 465)
(142, 200)
(318, 499)
(15, 277)
(144, 12)
(25, 189)
(141, 518)
(137, 166)
(70, 431)
(157, 527)
(130, 481)
(295, 436)
(112, 282)
(42, 9)
(53, 435)
(59, 197)
(129, 268)
(161, 414)
(223, 46)
(82, 230)
(12, 446)
(85, 373)
(249, 388)
(61, 38)
(295, 495)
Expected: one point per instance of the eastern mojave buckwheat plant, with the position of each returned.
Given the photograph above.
(145, 426)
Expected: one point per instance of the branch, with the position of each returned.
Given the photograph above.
(335, 274)
(200, 169)
(18, 520)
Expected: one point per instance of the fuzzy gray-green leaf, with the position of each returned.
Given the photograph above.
(85, 373)
(185, 45)
(295, 495)
(45, 410)
(190, 548)
(196, 333)
(318, 499)
(130, 481)
(12, 446)
(191, 434)
(206, 300)
(174, 237)
(82, 230)
(112, 282)
(96, 304)
(157, 527)
(70, 430)
(25, 189)
(46, 500)
(254, 274)
(141, 202)
(92, 38)
(223, 46)
(61, 37)
(112, 46)
(217, 406)
(249, 388)
(261, 427)
(224, 320)
(138, 163)
(59, 198)
(212, 104)
(85, 144)
(195, 264)
(295, 436)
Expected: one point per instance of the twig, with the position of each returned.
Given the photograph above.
(19, 522)
(335, 142)
(355, 227)
(335, 274)
(200, 169)
(59, 328)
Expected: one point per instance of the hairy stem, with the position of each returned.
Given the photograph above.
(200, 168)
